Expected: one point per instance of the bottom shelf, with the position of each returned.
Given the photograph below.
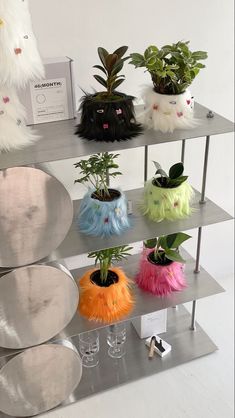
(186, 345)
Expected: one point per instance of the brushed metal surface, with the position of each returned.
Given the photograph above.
(35, 215)
(199, 286)
(186, 346)
(59, 142)
(39, 379)
(76, 243)
(36, 302)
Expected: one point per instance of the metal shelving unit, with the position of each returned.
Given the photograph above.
(188, 341)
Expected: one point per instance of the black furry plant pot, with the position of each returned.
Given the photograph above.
(108, 119)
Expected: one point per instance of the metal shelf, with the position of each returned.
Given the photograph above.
(199, 286)
(76, 243)
(186, 346)
(58, 141)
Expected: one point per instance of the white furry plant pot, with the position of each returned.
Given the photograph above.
(168, 112)
(19, 53)
(14, 134)
(103, 218)
(172, 203)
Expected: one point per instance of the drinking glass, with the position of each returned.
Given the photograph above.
(89, 347)
(116, 340)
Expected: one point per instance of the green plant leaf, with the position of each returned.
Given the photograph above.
(157, 165)
(117, 67)
(177, 182)
(175, 240)
(150, 243)
(103, 55)
(101, 80)
(111, 61)
(100, 68)
(137, 60)
(161, 172)
(174, 256)
(176, 170)
(199, 55)
(117, 83)
(121, 51)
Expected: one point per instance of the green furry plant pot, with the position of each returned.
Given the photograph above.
(167, 203)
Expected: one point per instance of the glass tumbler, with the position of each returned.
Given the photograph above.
(116, 340)
(89, 347)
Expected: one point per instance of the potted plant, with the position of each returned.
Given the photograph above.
(103, 210)
(105, 292)
(169, 104)
(108, 115)
(161, 269)
(168, 196)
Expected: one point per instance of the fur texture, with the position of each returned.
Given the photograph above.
(103, 218)
(160, 280)
(160, 203)
(106, 304)
(13, 131)
(167, 113)
(108, 121)
(20, 60)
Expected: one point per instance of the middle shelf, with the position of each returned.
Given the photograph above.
(200, 285)
(77, 243)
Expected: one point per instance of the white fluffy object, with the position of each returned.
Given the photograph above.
(19, 57)
(14, 134)
(168, 112)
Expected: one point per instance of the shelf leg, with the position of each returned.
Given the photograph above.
(146, 154)
(203, 192)
(199, 240)
(183, 151)
(193, 320)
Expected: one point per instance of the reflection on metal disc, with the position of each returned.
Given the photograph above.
(36, 303)
(35, 215)
(39, 379)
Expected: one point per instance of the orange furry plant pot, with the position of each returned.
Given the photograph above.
(105, 293)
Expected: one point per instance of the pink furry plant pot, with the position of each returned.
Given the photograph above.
(160, 280)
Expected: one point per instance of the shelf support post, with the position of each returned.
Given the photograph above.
(193, 320)
(146, 154)
(199, 239)
(183, 151)
(204, 178)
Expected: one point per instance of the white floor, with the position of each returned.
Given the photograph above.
(200, 389)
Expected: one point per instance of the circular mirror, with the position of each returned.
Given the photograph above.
(39, 379)
(36, 213)
(36, 303)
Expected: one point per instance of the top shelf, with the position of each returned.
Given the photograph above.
(58, 141)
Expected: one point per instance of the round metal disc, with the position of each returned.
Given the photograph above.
(39, 379)
(36, 303)
(35, 215)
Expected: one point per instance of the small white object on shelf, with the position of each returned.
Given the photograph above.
(150, 324)
(162, 348)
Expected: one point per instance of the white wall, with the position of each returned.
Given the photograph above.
(77, 27)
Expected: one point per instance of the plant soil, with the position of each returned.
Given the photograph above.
(107, 98)
(111, 279)
(161, 180)
(113, 195)
(166, 93)
(159, 262)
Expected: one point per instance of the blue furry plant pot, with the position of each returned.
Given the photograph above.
(172, 203)
(103, 217)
